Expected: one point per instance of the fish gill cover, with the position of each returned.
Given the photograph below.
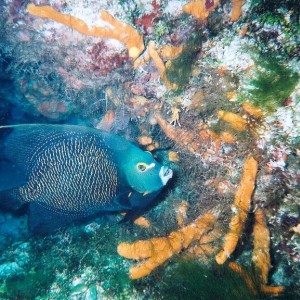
(210, 88)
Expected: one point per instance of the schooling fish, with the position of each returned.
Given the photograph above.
(67, 172)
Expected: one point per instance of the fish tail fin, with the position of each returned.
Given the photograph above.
(9, 201)
(11, 176)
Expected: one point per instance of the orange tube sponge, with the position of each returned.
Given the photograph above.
(240, 270)
(227, 137)
(181, 136)
(236, 9)
(252, 110)
(153, 53)
(253, 287)
(240, 209)
(273, 290)
(142, 222)
(192, 140)
(199, 8)
(237, 122)
(171, 52)
(122, 32)
(206, 246)
(181, 212)
(261, 246)
(173, 156)
(157, 250)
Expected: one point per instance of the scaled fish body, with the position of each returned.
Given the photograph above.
(67, 172)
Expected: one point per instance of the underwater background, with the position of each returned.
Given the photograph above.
(211, 88)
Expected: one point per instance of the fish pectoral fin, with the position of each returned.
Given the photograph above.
(122, 201)
(43, 221)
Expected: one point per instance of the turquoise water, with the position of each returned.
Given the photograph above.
(170, 101)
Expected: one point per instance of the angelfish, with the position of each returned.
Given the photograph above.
(66, 172)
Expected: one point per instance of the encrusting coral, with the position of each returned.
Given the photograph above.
(156, 251)
(240, 208)
(122, 32)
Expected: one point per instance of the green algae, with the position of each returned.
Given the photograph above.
(29, 286)
(189, 279)
(272, 84)
(179, 69)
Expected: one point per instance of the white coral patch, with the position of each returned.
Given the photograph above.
(233, 56)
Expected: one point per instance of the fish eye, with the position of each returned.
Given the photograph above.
(142, 167)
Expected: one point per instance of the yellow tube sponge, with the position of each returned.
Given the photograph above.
(156, 251)
(237, 122)
(122, 32)
(240, 209)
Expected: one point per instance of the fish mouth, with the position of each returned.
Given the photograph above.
(165, 174)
